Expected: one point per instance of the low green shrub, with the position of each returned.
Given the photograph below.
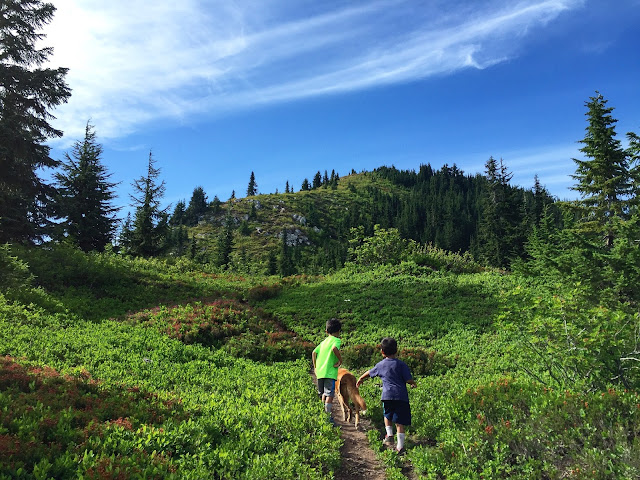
(237, 328)
(269, 346)
(517, 429)
(420, 361)
(439, 259)
(51, 422)
(263, 292)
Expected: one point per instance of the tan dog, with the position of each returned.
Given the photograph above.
(347, 391)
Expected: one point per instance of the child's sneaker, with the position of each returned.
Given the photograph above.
(388, 440)
(401, 451)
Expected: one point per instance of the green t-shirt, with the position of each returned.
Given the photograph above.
(326, 359)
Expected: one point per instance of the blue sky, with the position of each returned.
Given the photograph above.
(220, 88)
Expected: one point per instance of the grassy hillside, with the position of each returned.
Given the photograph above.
(317, 219)
(113, 367)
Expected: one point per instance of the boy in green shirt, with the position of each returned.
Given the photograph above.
(326, 360)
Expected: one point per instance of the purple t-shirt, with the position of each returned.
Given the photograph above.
(394, 374)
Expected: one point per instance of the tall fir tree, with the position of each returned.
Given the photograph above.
(27, 93)
(85, 196)
(608, 223)
(488, 247)
(252, 188)
(150, 225)
(500, 237)
(604, 179)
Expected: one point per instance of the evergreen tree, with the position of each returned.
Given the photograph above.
(500, 238)
(325, 179)
(225, 242)
(286, 187)
(85, 196)
(214, 205)
(333, 181)
(178, 241)
(272, 263)
(178, 216)
(285, 266)
(27, 93)
(608, 223)
(150, 225)
(233, 194)
(541, 198)
(317, 180)
(126, 233)
(305, 185)
(197, 207)
(489, 229)
(252, 189)
(605, 181)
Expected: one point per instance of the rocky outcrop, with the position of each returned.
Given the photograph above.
(295, 238)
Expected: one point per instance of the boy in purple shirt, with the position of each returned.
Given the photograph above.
(395, 375)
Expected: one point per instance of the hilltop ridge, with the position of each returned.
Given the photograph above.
(445, 208)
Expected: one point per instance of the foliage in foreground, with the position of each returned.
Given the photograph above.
(488, 404)
(107, 398)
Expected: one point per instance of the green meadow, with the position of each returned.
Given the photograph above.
(131, 368)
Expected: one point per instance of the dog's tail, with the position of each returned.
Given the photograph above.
(359, 401)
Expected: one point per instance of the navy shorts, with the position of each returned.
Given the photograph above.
(326, 386)
(398, 411)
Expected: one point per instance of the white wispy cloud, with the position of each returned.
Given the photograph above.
(133, 62)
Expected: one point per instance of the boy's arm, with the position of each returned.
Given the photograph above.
(409, 377)
(313, 359)
(362, 378)
(337, 354)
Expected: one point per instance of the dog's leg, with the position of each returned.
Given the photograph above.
(341, 402)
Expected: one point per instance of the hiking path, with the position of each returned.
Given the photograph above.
(359, 461)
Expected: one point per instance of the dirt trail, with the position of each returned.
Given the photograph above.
(358, 460)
